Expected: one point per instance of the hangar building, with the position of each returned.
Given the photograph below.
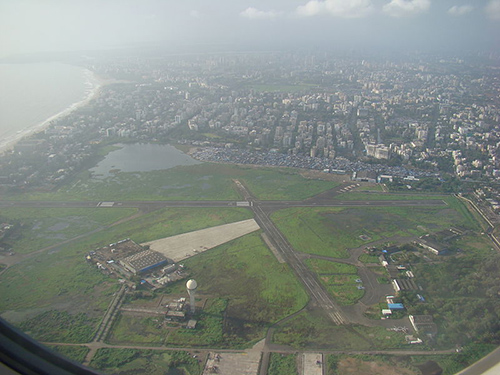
(143, 261)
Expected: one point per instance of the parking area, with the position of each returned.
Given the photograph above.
(312, 364)
(245, 363)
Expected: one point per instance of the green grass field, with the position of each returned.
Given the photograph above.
(401, 365)
(52, 281)
(306, 231)
(320, 266)
(281, 364)
(313, 329)
(42, 227)
(282, 184)
(330, 231)
(371, 188)
(205, 181)
(171, 221)
(75, 353)
(54, 326)
(196, 182)
(367, 258)
(143, 330)
(144, 362)
(339, 280)
(361, 195)
(62, 280)
(454, 363)
(259, 290)
(224, 274)
(246, 289)
(209, 329)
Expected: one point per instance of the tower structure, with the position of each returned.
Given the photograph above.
(191, 286)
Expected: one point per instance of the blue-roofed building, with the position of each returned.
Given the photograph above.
(395, 306)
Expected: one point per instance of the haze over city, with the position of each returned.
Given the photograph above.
(32, 26)
(289, 187)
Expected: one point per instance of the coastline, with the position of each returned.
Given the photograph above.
(93, 79)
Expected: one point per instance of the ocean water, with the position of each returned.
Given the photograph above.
(30, 94)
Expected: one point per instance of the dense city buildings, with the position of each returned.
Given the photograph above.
(418, 116)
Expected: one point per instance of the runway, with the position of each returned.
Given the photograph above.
(149, 205)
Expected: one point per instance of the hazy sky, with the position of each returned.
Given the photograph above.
(55, 25)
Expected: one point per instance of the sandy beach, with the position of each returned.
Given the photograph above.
(97, 83)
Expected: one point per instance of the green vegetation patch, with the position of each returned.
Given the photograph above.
(368, 188)
(339, 280)
(453, 363)
(449, 364)
(196, 182)
(306, 230)
(235, 314)
(343, 288)
(282, 184)
(469, 219)
(209, 327)
(259, 290)
(62, 277)
(54, 280)
(462, 295)
(321, 266)
(281, 364)
(206, 181)
(381, 337)
(145, 362)
(60, 326)
(357, 195)
(330, 231)
(130, 329)
(172, 221)
(36, 228)
(375, 311)
(473, 244)
(74, 352)
(312, 329)
(367, 258)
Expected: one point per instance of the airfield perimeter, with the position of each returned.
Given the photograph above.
(261, 209)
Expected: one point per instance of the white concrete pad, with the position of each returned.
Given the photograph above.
(245, 363)
(312, 364)
(105, 204)
(186, 245)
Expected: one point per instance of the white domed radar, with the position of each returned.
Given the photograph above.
(191, 284)
(191, 289)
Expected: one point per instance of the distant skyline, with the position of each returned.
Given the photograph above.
(28, 26)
